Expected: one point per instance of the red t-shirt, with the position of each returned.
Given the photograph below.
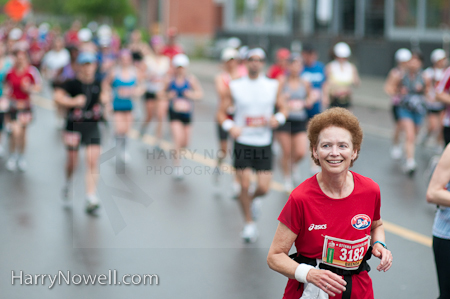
(172, 50)
(311, 215)
(444, 86)
(15, 79)
(275, 71)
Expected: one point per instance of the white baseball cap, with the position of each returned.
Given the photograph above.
(180, 60)
(403, 55)
(104, 31)
(234, 42)
(228, 54)
(15, 34)
(342, 50)
(256, 52)
(437, 55)
(85, 35)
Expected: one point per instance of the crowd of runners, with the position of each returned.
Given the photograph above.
(97, 80)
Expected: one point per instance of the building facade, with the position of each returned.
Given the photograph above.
(373, 28)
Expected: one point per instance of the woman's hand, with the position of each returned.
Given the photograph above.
(384, 255)
(329, 282)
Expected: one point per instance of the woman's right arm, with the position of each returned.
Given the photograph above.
(437, 193)
(278, 260)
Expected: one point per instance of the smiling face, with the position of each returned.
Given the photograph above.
(335, 150)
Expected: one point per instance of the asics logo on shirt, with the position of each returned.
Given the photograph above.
(317, 226)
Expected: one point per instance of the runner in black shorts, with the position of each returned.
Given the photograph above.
(292, 135)
(84, 99)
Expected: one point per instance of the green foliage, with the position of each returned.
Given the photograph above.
(93, 9)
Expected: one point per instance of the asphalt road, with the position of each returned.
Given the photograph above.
(187, 232)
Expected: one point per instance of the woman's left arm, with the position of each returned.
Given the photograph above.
(197, 92)
(378, 250)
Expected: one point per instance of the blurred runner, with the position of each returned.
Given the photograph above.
(84, 99)
(6, 63)
(71, 36)
(412, 108)
(443, 95)
(392, 87)
(297, 93)
(157, 67)
(230, 72)
(341, 76)
(172, 48)
(255, 97)
(181, 90)
(21, 82)
(435, 108)
(123, 85)
(279, 69)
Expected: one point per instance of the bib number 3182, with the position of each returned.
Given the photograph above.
(344, 254)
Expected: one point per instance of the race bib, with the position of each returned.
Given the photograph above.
(72, 139)
(24, 117)
(181, 105)
(296, 105)
(4, 104)
(259, 121)
(344, 254)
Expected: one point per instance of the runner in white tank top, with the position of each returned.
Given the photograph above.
(254, 97)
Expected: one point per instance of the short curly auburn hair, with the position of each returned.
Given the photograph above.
(337, 117)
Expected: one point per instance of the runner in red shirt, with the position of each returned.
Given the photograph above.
(279, 69)
(333, 218)
(21, 83)
(172, 48)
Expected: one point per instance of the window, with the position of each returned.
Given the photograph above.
(405, 13)
(438, 14)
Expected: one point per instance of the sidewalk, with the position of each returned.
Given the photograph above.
(370, 94)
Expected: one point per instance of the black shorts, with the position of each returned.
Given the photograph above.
(223, 135)
(150, 96)
(258, 158)
(293, 127)
(89, 133)
(446, 133)
(344, 102)
(435, 111)
(395, 112)
(14, 113)
(184, 118)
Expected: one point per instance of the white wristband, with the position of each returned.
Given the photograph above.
(227, 125)
(302, 271)
(280, 118)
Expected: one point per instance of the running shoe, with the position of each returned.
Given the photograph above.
(256, 208)
(11, 164)
(410, 167)
(177, 173)
(92, 205)
(288, 184)
(22, 164)
(250, 233)
(396, 152)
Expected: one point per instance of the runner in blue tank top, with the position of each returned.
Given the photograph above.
(123, 84)
(181, 90)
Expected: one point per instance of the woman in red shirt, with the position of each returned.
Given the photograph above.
(333, 218)
(20, 82)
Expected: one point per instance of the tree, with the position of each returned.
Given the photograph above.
(93, 9)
